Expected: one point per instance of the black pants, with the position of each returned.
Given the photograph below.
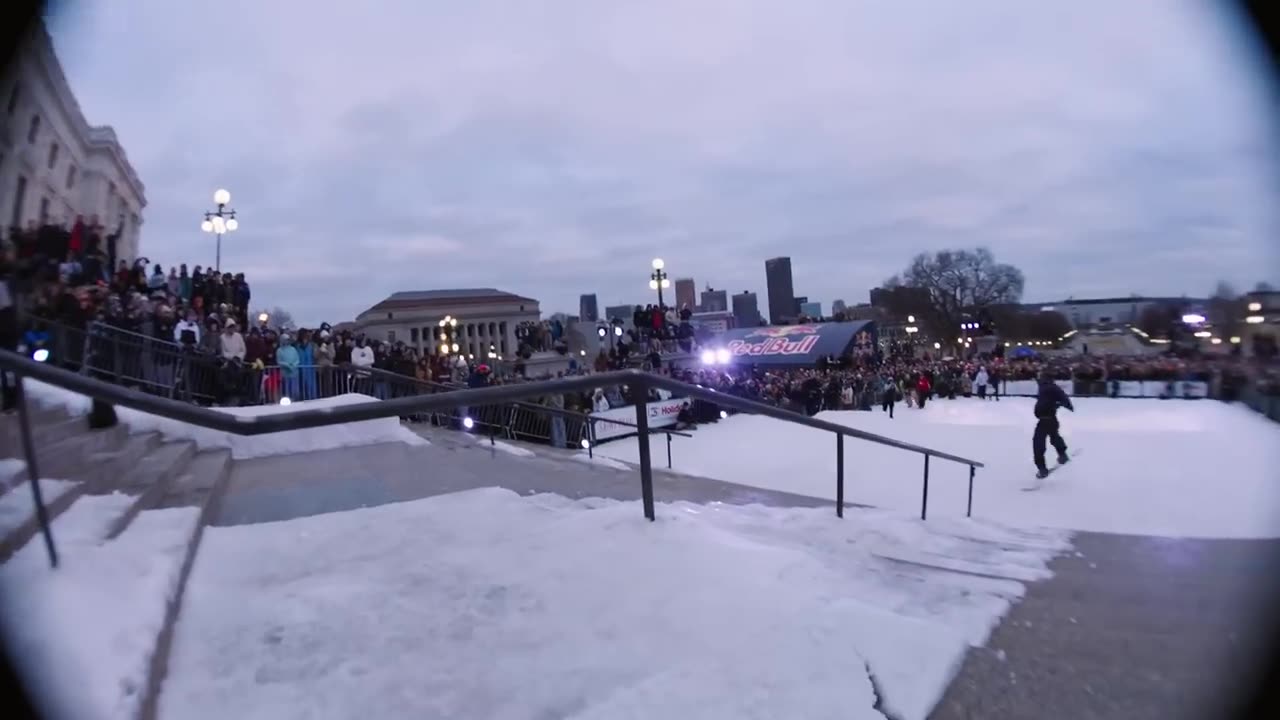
(922, 398)
(982, 392)
(887, 406)
(1046, 428)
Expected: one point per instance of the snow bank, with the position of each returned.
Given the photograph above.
(366, 432)
(484, 604)
(1192, 469)
(601, 460)
(83, 634)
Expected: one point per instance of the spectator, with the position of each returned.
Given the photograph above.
(233, 345)
(287, 359)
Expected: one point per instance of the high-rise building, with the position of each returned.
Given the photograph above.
(686, 294)
(588, 308)
(714, 300)
(811, 309)
(837, 306)
(782, 295)
(619, 312)
(746, 309)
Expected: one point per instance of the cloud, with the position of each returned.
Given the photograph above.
(552, 148)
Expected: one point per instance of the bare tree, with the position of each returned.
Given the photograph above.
(956, 282)
(1225, 309)
(277, 317)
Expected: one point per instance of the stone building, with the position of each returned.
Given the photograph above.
(54, 165)
(485, 317)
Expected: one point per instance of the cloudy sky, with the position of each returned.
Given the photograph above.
(554, 147)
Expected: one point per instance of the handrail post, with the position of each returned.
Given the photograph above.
(33, 472)
(924, 499)
(642, 436)
(839, 475)
(588, 429)
(968, 512)
(668, 451)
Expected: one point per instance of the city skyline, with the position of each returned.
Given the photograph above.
(528, 155)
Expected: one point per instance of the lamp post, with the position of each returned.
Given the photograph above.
(220, 221)
(448, 325)
(658, 279)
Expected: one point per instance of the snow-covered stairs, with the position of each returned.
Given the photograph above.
(75, 461)
(127, 512)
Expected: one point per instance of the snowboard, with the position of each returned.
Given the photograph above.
(1039, 482)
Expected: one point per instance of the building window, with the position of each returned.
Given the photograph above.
(413, 335)
(391, 336)
(53, 155)
(33, 131)
(71, 176)
(388, 316)
(44, 210)
(14, 95)
(19, 199)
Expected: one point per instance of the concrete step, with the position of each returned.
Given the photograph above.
(149, 479)
(106, 469)
(202, 477)
(25, 531)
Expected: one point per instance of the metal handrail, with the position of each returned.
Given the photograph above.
(300, 419)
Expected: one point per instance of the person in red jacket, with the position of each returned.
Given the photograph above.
(922, 390)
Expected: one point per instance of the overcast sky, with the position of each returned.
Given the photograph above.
(553, 148)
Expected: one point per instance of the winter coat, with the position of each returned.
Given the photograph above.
(324, 354)
(287, 359)
(233, 346)
(981, 378)
(186, 326)
(362, 356)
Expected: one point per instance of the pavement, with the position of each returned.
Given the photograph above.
(1128, 628)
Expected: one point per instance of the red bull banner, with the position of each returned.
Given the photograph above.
(799, 344)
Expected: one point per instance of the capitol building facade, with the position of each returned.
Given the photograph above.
(54, 165)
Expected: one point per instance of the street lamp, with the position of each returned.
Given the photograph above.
(221, 221)
(448, 325)
(658, 279)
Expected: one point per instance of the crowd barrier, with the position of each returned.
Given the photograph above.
(1188, 389)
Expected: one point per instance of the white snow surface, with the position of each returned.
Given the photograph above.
(1149, 467)
(12, 471)
(83, 634)
(501, 446)
(365, 432)
(597, 458)
(17, 506)
(486, 604)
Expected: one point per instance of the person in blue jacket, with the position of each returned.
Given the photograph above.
(287, 359)
(1049, 398)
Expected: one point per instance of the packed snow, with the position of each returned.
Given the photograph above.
(365, 432)
(486, 604)
(17, 506)
(84, 633)
(1150, 467)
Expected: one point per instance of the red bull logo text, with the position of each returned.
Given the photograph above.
(791, 340)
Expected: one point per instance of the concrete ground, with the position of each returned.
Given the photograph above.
(1128, 628)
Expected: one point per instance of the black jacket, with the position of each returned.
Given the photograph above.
(1049, 399)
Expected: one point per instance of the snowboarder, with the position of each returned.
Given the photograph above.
(1049, 398)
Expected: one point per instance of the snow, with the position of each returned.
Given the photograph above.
(502, 446)
(84, 633)
(487, 604)
(12, 471)
(365, 432)
(600, 459)
(1167, 468)
(17, 505)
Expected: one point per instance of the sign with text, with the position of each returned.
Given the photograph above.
(799, 344)
(661, 413)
